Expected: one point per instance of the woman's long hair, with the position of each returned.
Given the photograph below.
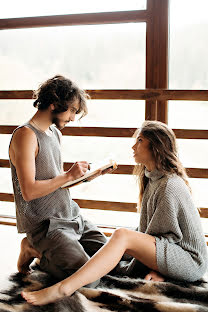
(162, 143)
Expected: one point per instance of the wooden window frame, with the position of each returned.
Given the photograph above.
(156, 94)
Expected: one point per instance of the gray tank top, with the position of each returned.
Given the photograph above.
(58, 204)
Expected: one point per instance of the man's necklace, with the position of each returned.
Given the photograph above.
(36, 126)
(47, 132)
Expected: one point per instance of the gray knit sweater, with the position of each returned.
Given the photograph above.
(168, 213)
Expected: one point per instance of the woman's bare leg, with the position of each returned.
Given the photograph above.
(139, 245)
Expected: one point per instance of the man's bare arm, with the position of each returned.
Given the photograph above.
(24, 149)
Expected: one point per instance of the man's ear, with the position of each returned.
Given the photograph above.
(52, 107)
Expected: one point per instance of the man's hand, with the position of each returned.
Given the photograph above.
(77, 170)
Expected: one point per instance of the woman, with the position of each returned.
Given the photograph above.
(170, 241)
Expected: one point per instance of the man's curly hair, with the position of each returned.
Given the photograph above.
(61, 92)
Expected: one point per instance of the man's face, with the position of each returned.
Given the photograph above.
(61, 119)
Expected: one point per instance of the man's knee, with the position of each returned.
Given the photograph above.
(63, 256)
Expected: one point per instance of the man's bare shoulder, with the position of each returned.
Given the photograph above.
(23, 140)
(24, 135)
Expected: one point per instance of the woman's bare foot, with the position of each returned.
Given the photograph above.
(154, 276)
(27, 254)
(46, 295)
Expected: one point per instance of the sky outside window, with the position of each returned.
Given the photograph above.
(22, 8)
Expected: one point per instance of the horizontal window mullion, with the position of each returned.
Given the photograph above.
(75, 19)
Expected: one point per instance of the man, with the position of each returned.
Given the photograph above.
(56, 232)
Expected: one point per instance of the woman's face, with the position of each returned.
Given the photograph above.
(142, 153)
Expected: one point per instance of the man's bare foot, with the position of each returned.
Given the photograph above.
(154, 276)
(45, 296)
(26, 256)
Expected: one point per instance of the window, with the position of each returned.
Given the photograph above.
(188, 69)
(96, 57)
(22, 8)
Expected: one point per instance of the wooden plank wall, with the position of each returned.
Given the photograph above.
(156, 94)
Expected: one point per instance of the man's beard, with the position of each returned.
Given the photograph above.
(55, 120)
